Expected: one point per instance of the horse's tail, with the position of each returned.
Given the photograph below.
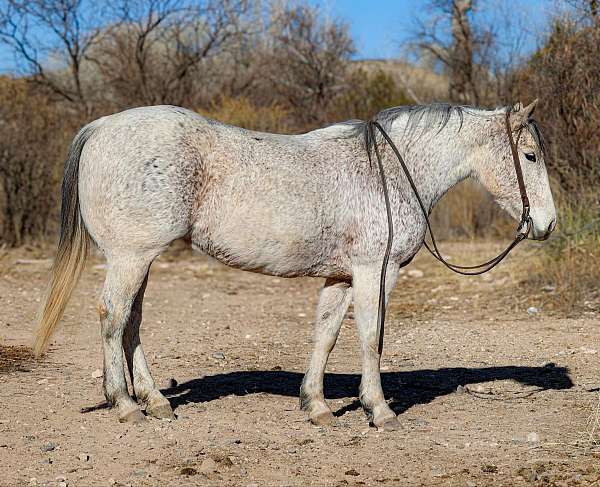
(72, 249)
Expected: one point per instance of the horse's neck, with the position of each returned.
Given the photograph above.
(436, 162)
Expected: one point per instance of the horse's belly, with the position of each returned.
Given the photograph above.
(286, 251)
(262, 254)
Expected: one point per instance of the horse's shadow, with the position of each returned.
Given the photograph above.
(406, 388)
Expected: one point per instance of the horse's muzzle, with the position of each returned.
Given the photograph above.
(547, 233)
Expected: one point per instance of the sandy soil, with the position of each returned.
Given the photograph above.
(487, 393)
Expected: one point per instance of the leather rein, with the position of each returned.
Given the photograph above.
(522, 230)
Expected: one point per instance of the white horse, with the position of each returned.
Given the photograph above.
(283, 205)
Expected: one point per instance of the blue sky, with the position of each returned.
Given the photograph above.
(379, 26)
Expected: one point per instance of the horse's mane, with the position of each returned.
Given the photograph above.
(434, 117)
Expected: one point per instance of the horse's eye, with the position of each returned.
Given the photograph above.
(530, 156)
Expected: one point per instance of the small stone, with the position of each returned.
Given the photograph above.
(219, 355)
(489, 469)
(532, 310)
(470, 483)
(84, 457)
(291, 449)
(189, 471)
(416, 273)
(352, 472)
(32, 481)
(63, 484)
(436, 472)
(96, 374)
(208, 466)
(222, 459)
(460, 390)
(533, 438)
(111, 481)
(170, 383)
(528, 474)
(49, 446)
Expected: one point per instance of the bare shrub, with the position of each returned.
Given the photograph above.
(367, 93)
(308, 61)
(419, 82)
(159, 52)
(32, 138)
(478, 57)
(243, 113)
(565, 75)
(62, 29)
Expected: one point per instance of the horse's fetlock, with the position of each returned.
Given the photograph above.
(367, 405)
(305, 400)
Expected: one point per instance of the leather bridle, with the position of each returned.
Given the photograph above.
(522, 230)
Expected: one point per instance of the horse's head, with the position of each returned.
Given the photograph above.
(496, 168)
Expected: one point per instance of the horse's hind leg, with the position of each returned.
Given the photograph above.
(124, 279)
(333, 303)
(141, 379)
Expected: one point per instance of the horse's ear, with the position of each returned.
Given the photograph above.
(529, 109)
(520, 115)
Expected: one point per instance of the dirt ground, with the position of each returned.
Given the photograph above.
(488, 393)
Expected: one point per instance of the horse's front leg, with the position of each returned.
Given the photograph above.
(366, 303)
(333, 303)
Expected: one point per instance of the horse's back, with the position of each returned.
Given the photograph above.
(254, 200)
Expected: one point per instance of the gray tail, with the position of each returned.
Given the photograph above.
(72, 249)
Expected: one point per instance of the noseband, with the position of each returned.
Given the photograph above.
(522, 230)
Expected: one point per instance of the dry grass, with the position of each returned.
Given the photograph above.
(243, 113)
(422, 82)
(468, 211)
(568, 265)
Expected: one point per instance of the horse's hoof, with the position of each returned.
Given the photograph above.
(133, 416)
(323, 419)
(391, 424)
(160, 410)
